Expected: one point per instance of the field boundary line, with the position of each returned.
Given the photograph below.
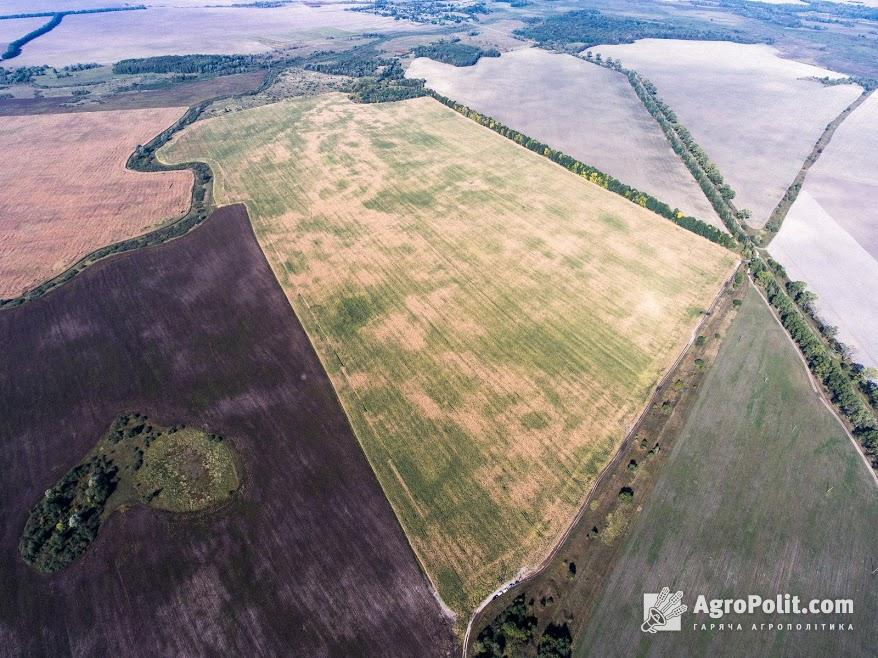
(589, 173)
(815, 386)
(144, 160)
(783, 207)
(526, 574)
(449, 613)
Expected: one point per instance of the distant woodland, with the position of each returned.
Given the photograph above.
(202, 64)
(590, 27)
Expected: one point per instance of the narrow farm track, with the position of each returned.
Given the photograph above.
(783, 207)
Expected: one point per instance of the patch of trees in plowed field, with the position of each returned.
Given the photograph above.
(307, 558)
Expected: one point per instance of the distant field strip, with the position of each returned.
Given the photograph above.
(491, 322)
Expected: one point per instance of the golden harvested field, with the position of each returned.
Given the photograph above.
(66, 191)
(491, 322)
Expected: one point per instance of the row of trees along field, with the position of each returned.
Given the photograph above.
(590, 27)
(840, 377)
(593, 175)
(13, 49)
(847, 382)
(702, 168)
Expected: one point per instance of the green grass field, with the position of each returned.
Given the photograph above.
(763, 494)
(491, 322)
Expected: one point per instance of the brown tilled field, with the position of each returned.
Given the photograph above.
(66, 190)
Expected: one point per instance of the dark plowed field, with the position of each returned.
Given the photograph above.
(307, 560)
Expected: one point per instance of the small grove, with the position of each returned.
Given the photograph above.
(66, 520)
(454, 52)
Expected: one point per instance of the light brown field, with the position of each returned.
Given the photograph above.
(814, 247)
(830, 236)
(845, 177)
(752, 111)
(167, 30)
(576, 107)
(66, 190)
(492, 322)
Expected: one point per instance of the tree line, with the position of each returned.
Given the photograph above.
(593, 174)
(199, 64)
(13, 49)
(705, 172)
(849, 387)
(840, 381)
(591, 27)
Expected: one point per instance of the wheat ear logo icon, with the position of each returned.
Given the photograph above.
(665, 608)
